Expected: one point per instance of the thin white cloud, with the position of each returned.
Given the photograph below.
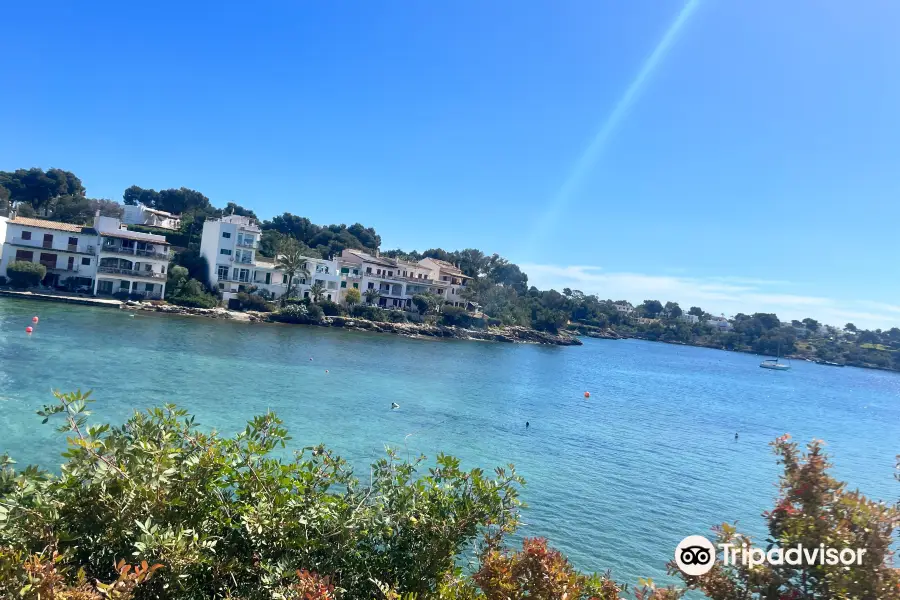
(717, 295)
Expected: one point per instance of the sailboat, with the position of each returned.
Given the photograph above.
(772, 363)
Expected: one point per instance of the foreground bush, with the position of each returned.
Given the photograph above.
(331, 309)
(226, 518)
(23, 274)
(813, 509)
(369, 312)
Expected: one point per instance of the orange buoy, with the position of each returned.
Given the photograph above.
(587, 394)
(34, 319)
(29, 329)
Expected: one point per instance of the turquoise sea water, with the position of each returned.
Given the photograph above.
(615, 481)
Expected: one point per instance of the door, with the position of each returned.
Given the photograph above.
(71, 266)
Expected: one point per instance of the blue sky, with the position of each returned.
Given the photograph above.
(750, 164)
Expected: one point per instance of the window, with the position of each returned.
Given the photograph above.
(226, 234)
(390, 273)
(162, 270)
(306, 294)
(268, 278)
(356, 271)
(85, 261)
(332, 285)
(355, 286)
(329, 296)
(379, 272)
(148, 287)
(73, 241)
(368, 269)
(26, 235)
(225, 252)
(284, 279)
(48, 240)
(123, 285)
(222, 272)
(24, 255)
(371, 286)
(343, 284)
(345, 270)
(441, 292)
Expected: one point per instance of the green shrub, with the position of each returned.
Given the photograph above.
(195, 301)
(293, 313)
(456, 316)
(253, 302)
(23, 274)
(368, 312)
(315, 312)
(396, 316)
(331, 309)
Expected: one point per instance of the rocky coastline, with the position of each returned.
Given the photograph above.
(522, 335)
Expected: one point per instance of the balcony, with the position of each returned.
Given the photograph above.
(130, 272)
(66, 269)
(246, 244)
(135, 252)
(74, 248)
(153, 254)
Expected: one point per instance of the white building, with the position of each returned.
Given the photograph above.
(720, 322)
(624, 308)
(142, 215)
(69, 252)
(103, 259)
(396, 281)
(689, 318)
(130, 261)
(231, 248)
(450, 275)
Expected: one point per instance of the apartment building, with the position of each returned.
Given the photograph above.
(396, 281)
(69, 252)
(102, 259)
(231, 248)
(450, 275)
(130, 261)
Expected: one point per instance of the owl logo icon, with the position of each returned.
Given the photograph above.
(695, 555)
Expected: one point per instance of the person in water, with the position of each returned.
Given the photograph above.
(735, 436)
(527, 424)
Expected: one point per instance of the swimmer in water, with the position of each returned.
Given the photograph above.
(394, 406)
(735, 436)
(527, 424)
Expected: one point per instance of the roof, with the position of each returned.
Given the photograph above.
(451, 268)
(373, 259)
(136, 235)
(162, 212)
(28, 222)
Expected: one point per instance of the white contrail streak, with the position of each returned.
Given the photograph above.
(589, 156)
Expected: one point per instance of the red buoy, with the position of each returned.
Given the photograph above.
(587, 394)
(29, 329)
(34, 319)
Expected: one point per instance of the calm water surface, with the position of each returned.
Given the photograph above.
(615, 481)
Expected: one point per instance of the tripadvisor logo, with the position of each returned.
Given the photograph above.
(695, 555)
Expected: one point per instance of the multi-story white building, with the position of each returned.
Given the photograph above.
(231, 248)
(103, 259)
(456, 281)
(130, 261)
(396, 281)
(139, 214)
(69, 252)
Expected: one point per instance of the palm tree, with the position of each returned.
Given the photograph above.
(292, 262)
(372, 296)
(317, 291)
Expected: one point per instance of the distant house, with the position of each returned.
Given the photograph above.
(720, 322)
(624, 308)
(139, 214)
(688, 318)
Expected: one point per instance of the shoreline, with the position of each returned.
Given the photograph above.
(512, 334)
